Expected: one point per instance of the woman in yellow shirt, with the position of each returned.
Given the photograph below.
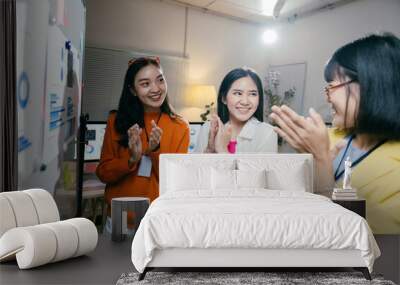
(363, 88)
(143, 127)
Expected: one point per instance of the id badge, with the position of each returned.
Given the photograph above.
(145, 166)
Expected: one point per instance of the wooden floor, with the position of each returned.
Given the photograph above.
(102, 266)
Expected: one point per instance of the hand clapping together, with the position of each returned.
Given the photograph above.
(135, 143)
(219, 136)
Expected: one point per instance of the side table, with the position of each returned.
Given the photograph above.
(358, 206)
(119, 211)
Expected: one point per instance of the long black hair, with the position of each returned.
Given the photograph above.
(226, 84)
(374, 63)
(130, 108)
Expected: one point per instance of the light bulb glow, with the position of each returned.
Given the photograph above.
(270, 37)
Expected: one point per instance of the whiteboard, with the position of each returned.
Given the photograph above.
(62, 95)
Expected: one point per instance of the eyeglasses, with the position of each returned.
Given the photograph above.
(155, 58)
(329, 88)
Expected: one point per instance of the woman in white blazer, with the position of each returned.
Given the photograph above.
(239, 126)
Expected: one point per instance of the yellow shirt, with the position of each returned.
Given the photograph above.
(377, 179)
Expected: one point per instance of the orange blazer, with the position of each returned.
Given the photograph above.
(122, 180)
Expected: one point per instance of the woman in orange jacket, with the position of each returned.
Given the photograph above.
(143, 127)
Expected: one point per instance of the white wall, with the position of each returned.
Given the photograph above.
(215, 45)
(314, 39)
(135, 24)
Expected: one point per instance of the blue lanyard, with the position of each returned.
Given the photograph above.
(358, 160)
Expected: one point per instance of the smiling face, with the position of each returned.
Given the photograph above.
(150, 87)
(338, 91)
(242, 99)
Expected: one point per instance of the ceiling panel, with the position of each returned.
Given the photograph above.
(197, 3)
(300, 6)
(292, 5)
(254, 10)
(230, 9)
(253, 5)
(258, 18)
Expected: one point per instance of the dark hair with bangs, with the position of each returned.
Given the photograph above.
(226, 84)
(130, 108)
(374, 63)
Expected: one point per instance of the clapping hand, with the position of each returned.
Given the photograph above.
(134, 143)
(154, 137)
(305, 134)
(212, 134)
(223, 136)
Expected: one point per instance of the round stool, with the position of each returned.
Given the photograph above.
(119, 213)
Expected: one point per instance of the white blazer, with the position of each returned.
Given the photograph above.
(255, 137)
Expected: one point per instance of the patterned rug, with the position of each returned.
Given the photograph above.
(269, 278)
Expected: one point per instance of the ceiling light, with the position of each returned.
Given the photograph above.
(270, 36)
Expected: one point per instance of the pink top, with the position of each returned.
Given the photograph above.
(232, 146)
